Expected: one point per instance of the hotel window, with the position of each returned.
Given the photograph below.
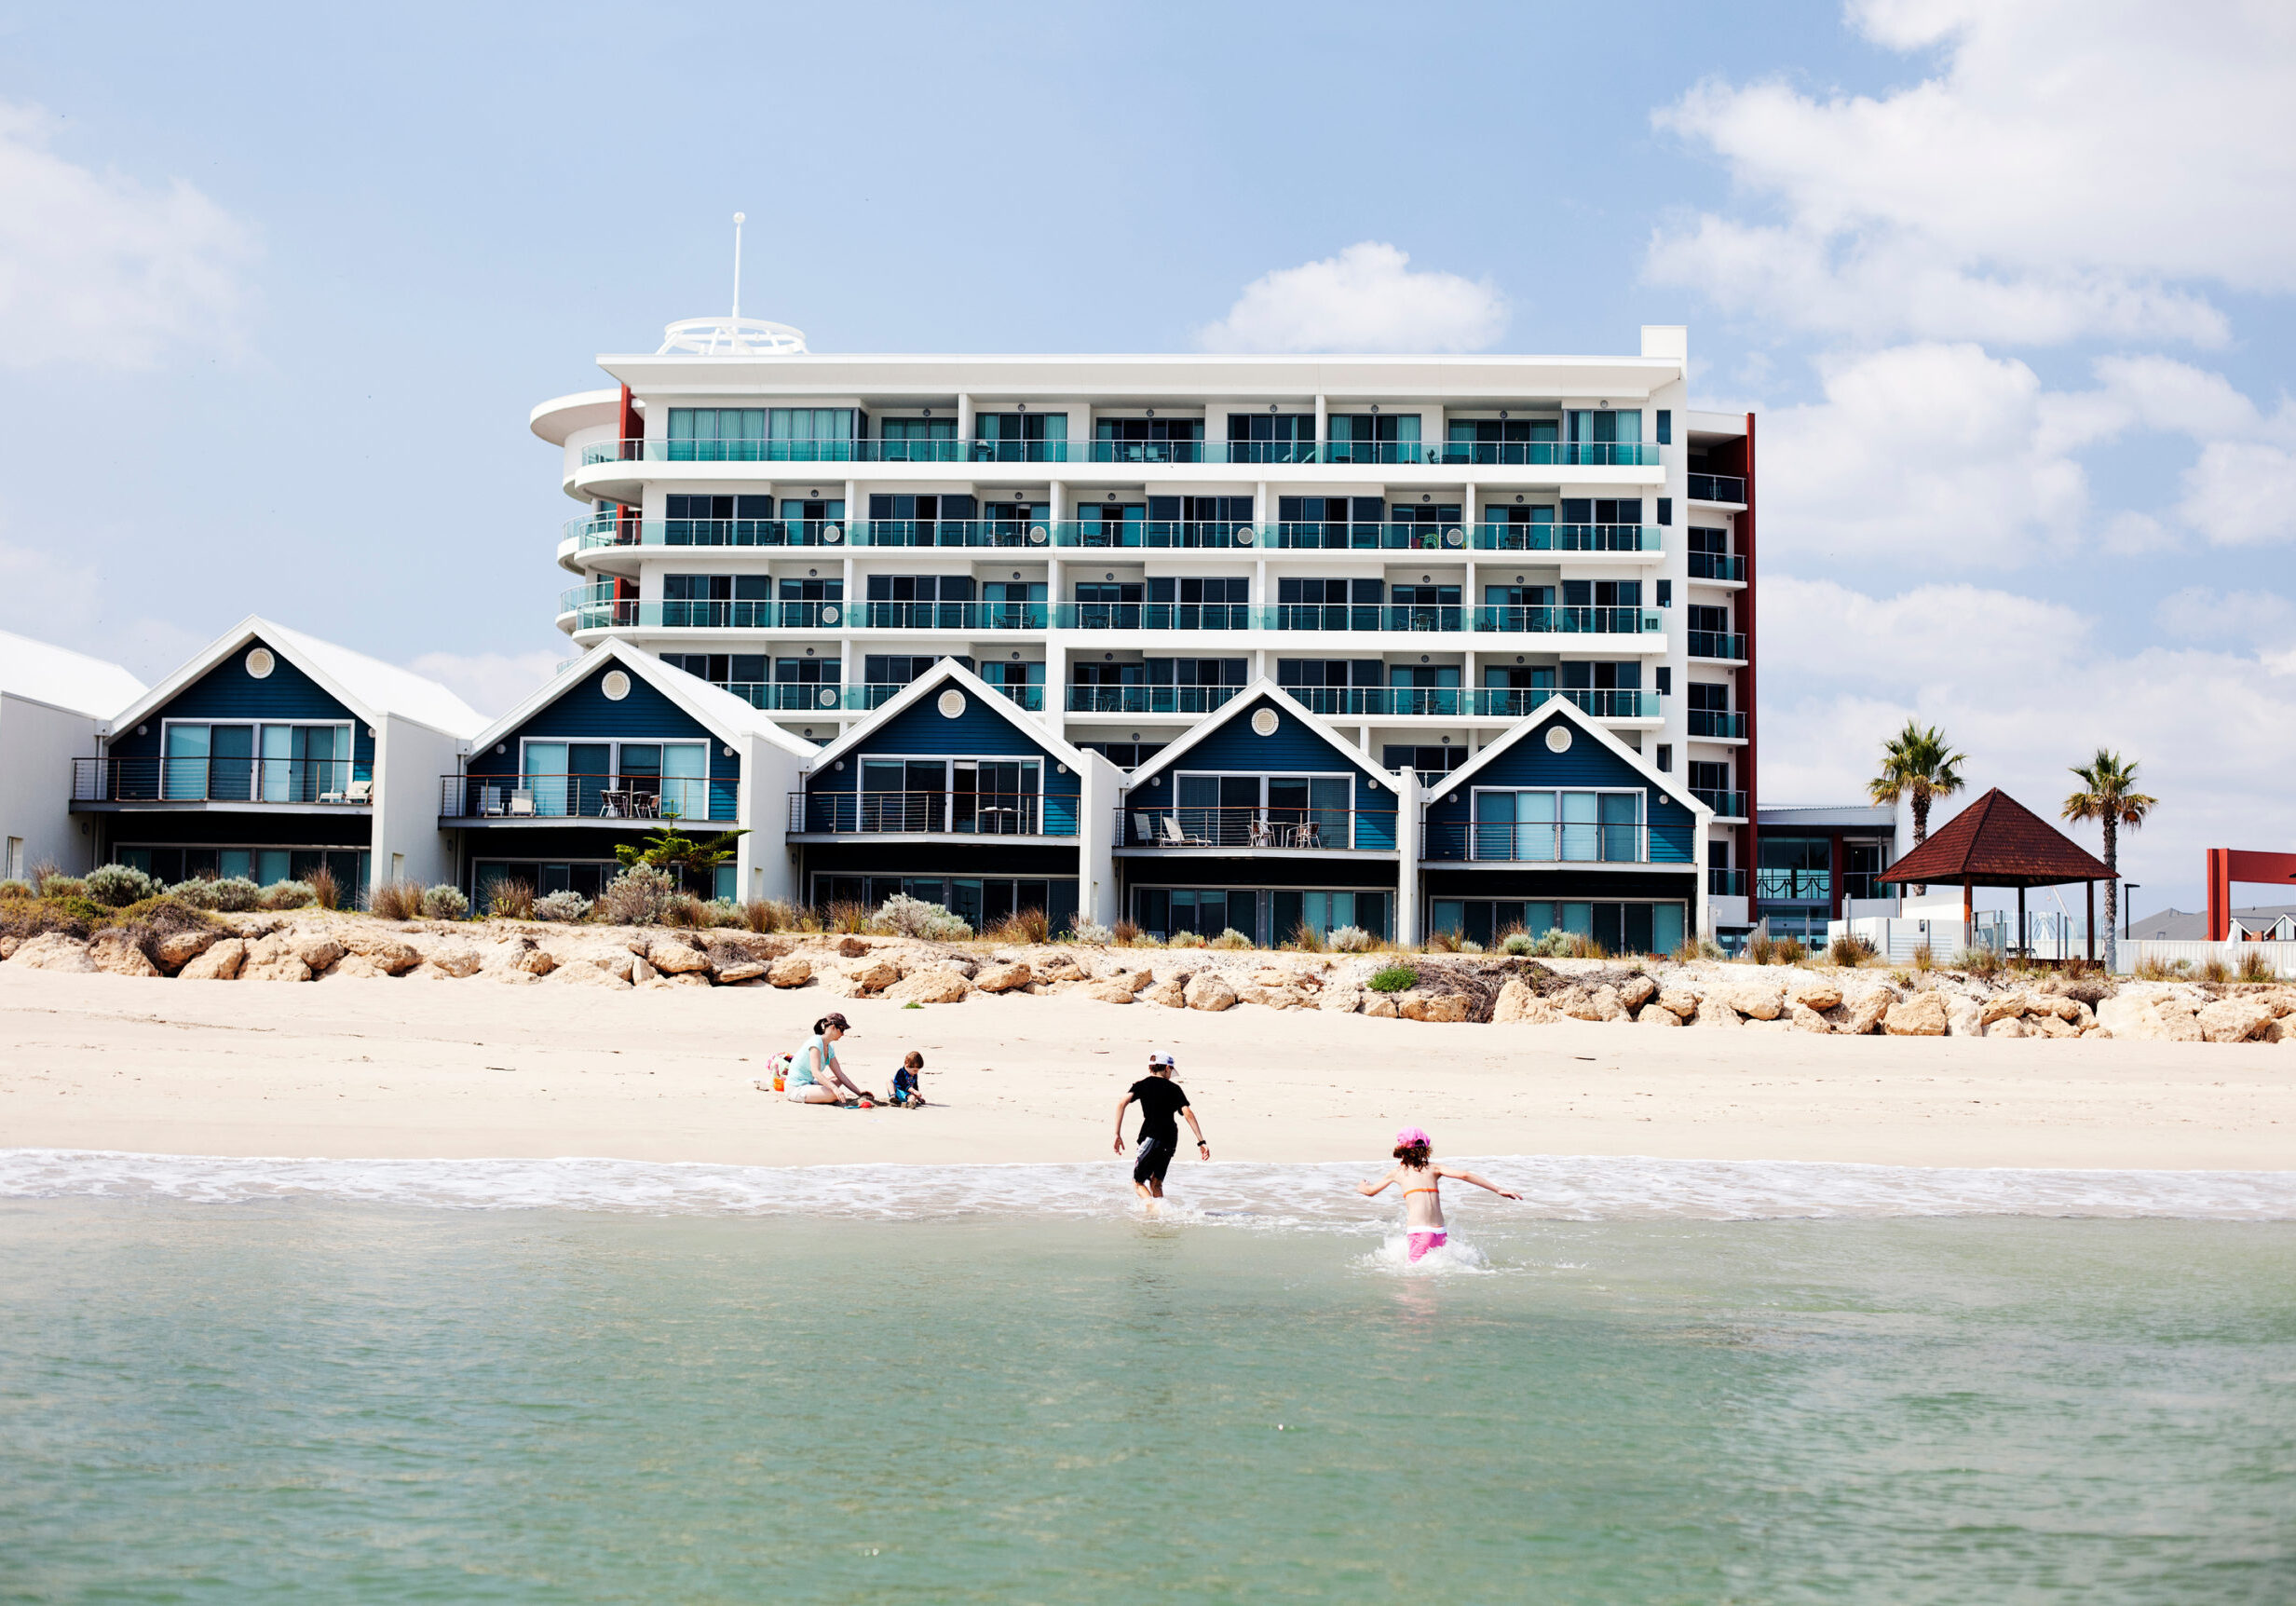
(1505, 440)
(724, 669)
(1021, 437)
(760, 434)
(618, 780)
(918, 602)
(1373, 436)
(1187, 520)
(1271, 436)
(1602, 509)
(717, 520)
(899, 669)
(1600, 436)
(1574, 827)
(1111, 523)
(917, 439)
(258, 763)
(1330, 521)
(1216, 601)
(1432, 763)
(1125, 755)
(1148, 440)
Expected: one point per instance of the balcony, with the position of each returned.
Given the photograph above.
(1720, 645)
(1517, 842)
(1200, 534)
(611, 530)
(333, 783)
(962, 616)
(929, 814)
(1415, 619)
(1726, 804)
(1148, 698)
(870, 449)
(1724, 882)
(1717, 723)
(785, 697)
(1245, 828)
(592, 610)
(615, 800)
(1472, 702)
(1793, 885)
(1153, 615)
(1572, 620)
(1546, 454)
(1728, 489)
(1716, 567)
(1567, 539)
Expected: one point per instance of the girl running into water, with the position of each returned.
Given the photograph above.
(1422, 1206)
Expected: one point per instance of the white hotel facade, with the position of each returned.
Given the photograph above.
(1420, 550)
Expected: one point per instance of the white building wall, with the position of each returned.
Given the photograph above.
(38, 741)
(409, 759)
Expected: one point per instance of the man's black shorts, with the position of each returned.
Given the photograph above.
(1155, 1159)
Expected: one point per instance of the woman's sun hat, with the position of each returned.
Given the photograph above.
(1411, 1134)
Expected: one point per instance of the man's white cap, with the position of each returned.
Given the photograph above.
(1161, 1058)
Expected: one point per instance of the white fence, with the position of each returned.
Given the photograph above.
(2280, 956)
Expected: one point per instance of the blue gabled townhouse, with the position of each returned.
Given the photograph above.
(1559, 825)
(614, 748)
(270, 754)
(952, 792)
(1261, 817)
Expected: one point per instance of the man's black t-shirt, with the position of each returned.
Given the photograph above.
(1160, 1102)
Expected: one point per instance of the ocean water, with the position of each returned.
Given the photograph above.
(248, 1381)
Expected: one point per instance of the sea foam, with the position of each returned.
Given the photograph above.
(1553, 1187)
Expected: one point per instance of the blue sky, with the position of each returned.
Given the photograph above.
(2008, 285)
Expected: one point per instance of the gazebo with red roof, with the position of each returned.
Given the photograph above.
(1999, 842)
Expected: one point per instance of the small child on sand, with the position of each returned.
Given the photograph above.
(1423, 1204)
(908, 1084)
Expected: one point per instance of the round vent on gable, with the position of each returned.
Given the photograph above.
(616, 684)
(1264, 722)
(259, 664)
(1558, 739)
(951, 703)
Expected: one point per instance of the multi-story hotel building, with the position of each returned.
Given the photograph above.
(1420, 551)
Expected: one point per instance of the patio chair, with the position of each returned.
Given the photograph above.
(361, 792)
(522, 805)
(1175, 838)
(490, 800)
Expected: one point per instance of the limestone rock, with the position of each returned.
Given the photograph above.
(1636, 991)
(1268, 998)
(2233, 1019)
(1812, 991)
(534, 961)
(740, 970)
(177, 949)
(1341, 999)
(1519, 1000)
(1273, 976)
(1779, 1025)
(1209, 990)
(1002, 978)
(674, 958)
(218, 962)
(851, 948)
(791, 972)
(1436, 1006)
(1381, 1004)
(2006, 1026)
(1059, 968)
(2049, 1026)
(1111, 992)
(586, 975)
(1712, 1011)
(941, 984)
(272, 960)
(354, 968)
(642, 971)
(1923, 1015)
(315, 950)
(391, 956)
(1863, 1016)
(1962, 1018)
(115, 953)
(683, 979)
(871, 974)
(2003, 1006)
(1804, 1018)
(2282, 1001)
(455, 961)
(615, 962)
(1657, 1014)
(1755, 999)
(1679, 1001)
(1171, 994)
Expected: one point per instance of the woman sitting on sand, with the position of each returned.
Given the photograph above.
(815, 1077)
(1422, 1205)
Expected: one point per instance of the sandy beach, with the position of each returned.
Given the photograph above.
(369, 1069)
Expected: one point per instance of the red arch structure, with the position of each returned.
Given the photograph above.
(2229, 864)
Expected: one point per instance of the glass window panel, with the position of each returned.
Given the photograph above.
(545, 778)
(184, 770)
(278, 758)
(685, 780)
(270, 865)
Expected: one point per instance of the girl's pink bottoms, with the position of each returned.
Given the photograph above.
(1422, 1242)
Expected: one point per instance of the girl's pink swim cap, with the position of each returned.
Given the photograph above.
(1411, 1134)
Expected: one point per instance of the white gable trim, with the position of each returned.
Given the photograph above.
(948, 672)
(680, 687)
(278, 639)
(1562, 707)
(1234, 708)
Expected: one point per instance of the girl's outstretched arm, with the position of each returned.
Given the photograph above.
(1368, 1188)
(1479, 1182)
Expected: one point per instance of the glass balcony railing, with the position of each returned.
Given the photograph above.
(588, 796)
(1570, 620)
(1153, 615)
(869, 449)
(1255, 826)
(1148, 698)
(1728, 488)
(1434, 619)
(1716, 722)
(1473, 702)
(1717, 644)
(966, 616)
(781, 697)
(249, 780)
(616, 613)
(932, 813)
(1333, 534)
(1728, 804)
(1716, 566)
(1137, 534)
(1567, 537)
(1724, 882)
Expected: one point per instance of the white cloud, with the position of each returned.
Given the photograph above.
(2198, 613)
(57, 599)
(2026, 688)
(2066, 168)
(2241, 493)
(96, 267)
(490, 682)
(1368, 298)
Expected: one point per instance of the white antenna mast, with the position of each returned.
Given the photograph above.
(736, 264)
(734, 335)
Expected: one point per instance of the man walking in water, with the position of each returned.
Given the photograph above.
(1160, 1099)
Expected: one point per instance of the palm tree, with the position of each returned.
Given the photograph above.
(2109, 792)
(1919, 762)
